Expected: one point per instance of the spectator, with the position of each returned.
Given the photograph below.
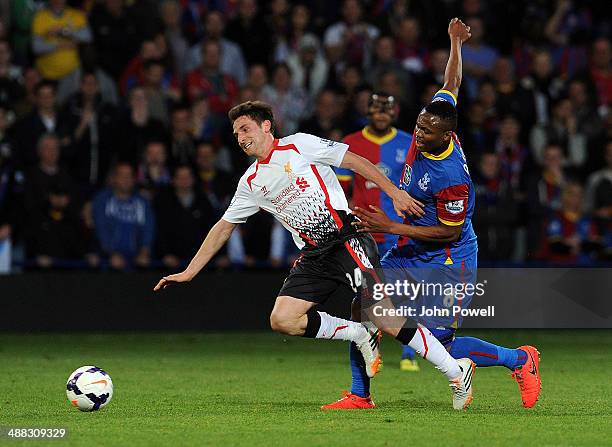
(57, 32)
(496, 212)
(43, 119)
(474, 136)
(409, 49)
(563, 129)
(54, 236)
(326, 116)
(9, 199)
(205, 126)
(232, 60)
(90, 126)
(514, 158)
(184, 217)
(552, 178)
(308, 66)
(570, 236)
(208, 80)
(46, 175)
(350, 81)
(487, 96)
(349, 41)
(599, 201)
(11, 88)
(251, 33)
(153, 173)
(21, 16)
(510, 99)
(540, 88)
(277, 20)
(6, 143)
(357, 114)
(437, 66)
(133, 74)
(601, 71)
(124, 221)
(160, 91)
(385, 62)
(289, 102)
(27, 103)
(567, 30)
(478, 57)
(217, 185)
(544, 193)
(257, 80)
(170, 12)
(588, 122)
(137, 128)
(291, 41)
(182, 145)
(116, 37)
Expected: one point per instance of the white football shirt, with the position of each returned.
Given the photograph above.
(297, 185)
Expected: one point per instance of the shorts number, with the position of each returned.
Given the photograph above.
(358, 279)
(449, 298)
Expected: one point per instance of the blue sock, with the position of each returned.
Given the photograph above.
(484, 353)
(407, 352)
(360, 384)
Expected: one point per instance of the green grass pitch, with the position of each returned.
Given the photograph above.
(265, 389)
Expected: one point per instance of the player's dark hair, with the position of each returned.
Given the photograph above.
(445, 111)
(258, 111)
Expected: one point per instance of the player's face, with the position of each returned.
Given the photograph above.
(381, 112)
(251, 136)
(430, 135)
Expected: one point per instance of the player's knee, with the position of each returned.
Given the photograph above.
(280, 323)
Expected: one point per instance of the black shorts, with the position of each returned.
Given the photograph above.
(346, 270)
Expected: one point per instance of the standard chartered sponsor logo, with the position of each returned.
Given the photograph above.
(287, 195)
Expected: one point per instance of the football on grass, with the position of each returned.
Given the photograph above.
(89, 388)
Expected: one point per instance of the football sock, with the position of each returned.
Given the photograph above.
(360, 384)
(484, 353)
(330, 327)
(407, 352)
(428, 347)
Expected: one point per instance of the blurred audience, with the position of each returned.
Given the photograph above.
(145, 86)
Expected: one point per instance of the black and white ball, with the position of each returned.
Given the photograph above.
(89, 388)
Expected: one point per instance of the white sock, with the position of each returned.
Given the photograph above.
(431, 349)
(340, 329)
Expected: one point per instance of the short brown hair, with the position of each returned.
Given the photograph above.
(258, 111)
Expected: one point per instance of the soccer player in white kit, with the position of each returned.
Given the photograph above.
(293, 180)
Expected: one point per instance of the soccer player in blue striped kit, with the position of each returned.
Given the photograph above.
(442, 240)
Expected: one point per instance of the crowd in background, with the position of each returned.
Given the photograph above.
(116, 151)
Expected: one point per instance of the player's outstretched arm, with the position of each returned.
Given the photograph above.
(402, 202)
(375, 220)
(216, 238)
(458, 32)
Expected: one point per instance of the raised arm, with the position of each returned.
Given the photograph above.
(402, 202)
(458, 32)
(216, 238)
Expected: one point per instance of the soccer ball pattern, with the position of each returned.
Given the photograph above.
(89, 388)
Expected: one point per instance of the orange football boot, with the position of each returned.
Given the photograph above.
(528, 377)
(350, 401)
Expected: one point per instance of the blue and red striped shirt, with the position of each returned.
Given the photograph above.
(388, 153)
(443, 184)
